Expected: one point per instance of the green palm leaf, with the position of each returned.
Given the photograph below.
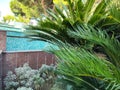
(58, 20)
(97, 36)
(75, 24)
(75, 64)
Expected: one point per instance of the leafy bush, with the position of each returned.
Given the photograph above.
(26, 78)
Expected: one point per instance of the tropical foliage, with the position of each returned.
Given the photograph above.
(97, 14)
(82, 66)
(82, 30)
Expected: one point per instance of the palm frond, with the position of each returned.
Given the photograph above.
(76, 64)
(115, 11)
(110, 44)
(58, 20)
(75, 24)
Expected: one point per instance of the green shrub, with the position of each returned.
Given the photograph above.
(26, 77)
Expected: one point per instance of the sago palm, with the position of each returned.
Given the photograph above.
(97, 13)
(84, 69)
(84, 23)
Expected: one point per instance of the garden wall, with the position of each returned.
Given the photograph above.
(12, 60)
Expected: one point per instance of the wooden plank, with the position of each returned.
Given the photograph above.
(0, 69)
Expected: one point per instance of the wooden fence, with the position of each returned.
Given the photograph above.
(11, 60)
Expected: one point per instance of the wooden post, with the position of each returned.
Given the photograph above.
(2, 40)
(1, 81)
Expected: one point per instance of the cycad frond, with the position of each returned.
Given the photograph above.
(75, 64)
(97, 36)
(65, 25)
(58, 20)
(115, 11)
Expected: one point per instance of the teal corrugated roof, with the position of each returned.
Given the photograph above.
(6, 27)
(17, 44)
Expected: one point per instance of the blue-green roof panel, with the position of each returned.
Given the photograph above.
(16, 44)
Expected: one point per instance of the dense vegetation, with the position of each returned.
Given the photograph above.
(26, 78)
(24, 10)
(87, 35)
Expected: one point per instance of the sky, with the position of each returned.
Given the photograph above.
(4, 8)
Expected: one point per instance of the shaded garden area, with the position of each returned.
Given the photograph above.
(87, 34)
